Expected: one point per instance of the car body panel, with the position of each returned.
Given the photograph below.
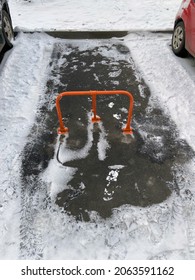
(186, 13)
(191, 44)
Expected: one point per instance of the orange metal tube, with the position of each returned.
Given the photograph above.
(94, 109)
(127, 130)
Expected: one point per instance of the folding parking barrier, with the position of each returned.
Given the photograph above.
(63, 130)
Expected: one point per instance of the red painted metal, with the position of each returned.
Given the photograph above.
(63, 130)
(186, 14)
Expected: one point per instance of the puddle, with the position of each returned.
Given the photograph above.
(117, 169)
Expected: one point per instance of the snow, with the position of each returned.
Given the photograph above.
(66, 154)
(56, 175)
(117, 116)
(103, 144)
(22, 80)
(176, 97)
(132, 233)
(111, 104)
(90, 15)
(163, 231)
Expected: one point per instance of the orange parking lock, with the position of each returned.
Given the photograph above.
(63, 130)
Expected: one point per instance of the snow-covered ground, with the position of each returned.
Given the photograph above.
(85, 15)
(163, 231)
(173, 84)
(22, 79)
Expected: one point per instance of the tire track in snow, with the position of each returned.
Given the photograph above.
(22, 80)
(32, 197)
(172, 85)
(189, 207)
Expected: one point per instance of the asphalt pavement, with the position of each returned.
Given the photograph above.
(137, 170)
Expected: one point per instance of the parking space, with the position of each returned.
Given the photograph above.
(95, 191)
(95, 171)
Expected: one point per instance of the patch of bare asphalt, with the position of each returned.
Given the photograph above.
(137, 171)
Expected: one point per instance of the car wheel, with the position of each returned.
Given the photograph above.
(178, 40)
(7, 29)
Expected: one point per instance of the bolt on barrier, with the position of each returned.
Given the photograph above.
(63, 130)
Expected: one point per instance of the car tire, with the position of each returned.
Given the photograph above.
(7, 29)
(178, 40)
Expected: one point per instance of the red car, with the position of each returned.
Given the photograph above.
(183, 39)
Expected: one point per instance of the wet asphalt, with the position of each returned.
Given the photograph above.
(139, 170)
